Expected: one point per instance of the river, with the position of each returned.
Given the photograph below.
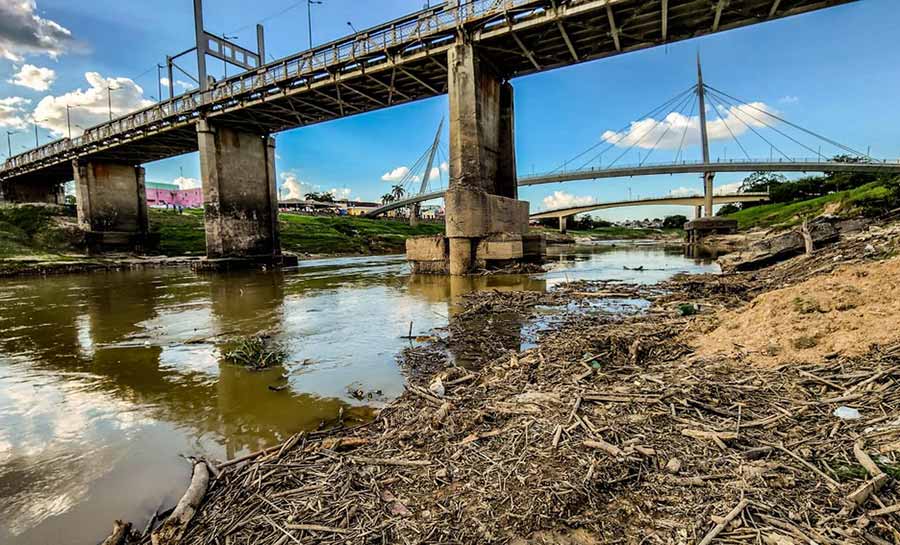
(107, 380)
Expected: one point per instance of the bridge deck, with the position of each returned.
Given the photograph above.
(401, 61)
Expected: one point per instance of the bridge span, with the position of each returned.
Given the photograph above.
(468, 49)
(691, 200)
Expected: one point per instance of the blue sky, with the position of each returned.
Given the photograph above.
(833, 71)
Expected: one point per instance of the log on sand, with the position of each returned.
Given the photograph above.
(119, 533)
(171, 531)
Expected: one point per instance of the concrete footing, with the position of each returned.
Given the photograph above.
(32, 191)
(230, 264)
(701, 227)
(434, 254)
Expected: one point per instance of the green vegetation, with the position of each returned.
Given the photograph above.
(36, 230)
(868, 200)
(182, 234)
(846, 194)
(256, 353)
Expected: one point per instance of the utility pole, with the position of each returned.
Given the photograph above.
(159, 68)
(201, 45)
(309, 4)
(36, 142)
(8, 144)
(68, 122)
(704, 139)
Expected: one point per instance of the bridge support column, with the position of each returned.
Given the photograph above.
(111, 203)
(698, 212)
(562, 224)
(237, 170)
(32, 191)
(486, 223)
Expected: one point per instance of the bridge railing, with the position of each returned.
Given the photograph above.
(632, 166)
(375, 41)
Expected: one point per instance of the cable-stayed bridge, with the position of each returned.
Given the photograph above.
(467, 49)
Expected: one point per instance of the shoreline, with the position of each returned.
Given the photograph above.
(611, 428)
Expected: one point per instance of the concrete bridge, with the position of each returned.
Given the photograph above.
(469, 50)
(697, 201)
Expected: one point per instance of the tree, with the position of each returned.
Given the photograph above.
(319, 197)
(728, 209)
(387, 198)
(759, 182)
(398, 192)
(674, 222)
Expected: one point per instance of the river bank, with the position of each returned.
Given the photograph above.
(41, 240)
(613, 427)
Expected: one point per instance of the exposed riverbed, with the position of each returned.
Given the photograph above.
(106, 379)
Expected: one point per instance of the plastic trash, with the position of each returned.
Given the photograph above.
(437, 387)
(847, 413)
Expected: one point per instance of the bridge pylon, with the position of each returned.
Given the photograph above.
(486, 223)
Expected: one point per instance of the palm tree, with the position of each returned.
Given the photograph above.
(386, 198)
(398, 192)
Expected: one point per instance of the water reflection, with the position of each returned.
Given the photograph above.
(105, 379)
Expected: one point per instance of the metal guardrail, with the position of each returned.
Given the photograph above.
(792, 161)
(374, 41)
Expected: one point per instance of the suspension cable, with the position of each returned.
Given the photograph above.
(684, 133)
(737, 107)
(798, 127)
(756, 132)
(622, 132)
(715, 100)
(680, 111)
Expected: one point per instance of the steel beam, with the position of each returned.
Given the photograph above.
(665, 20)
(774, 9)
(612, 27)
(718, 18)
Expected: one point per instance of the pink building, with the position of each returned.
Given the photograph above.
(161, 195)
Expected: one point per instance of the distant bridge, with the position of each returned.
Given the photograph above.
(682, 167)
(692, 200)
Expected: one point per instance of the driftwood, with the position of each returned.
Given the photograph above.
(171, 531)
(119, 533)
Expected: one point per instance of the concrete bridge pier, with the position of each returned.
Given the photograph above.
(111, 203)
(563, 220)
(237, 170)
(486, 224)
(32, 191)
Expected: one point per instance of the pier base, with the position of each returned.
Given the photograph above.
(700, 228)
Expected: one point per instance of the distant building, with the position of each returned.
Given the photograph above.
(162, 195)
(432, 212)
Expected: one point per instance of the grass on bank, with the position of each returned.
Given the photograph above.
(870, 199)
(44, 231)
(183, 234)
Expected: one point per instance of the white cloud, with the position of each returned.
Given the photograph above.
(435, 174)
(187, 183)
(23, 32)
(294, 188)
(398, 174)
(789, 99)
(561, 199)
(340, 194)
(667, 133)
(34, 77)
(89, 107)
(178, 83)
(445, 166)
(684, 192)
(728, 189)
(12, 112)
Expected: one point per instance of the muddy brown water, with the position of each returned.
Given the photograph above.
(107, 380)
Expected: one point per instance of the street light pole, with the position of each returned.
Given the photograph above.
(68, 122)
(8, 144)
(109, 90)
(309, 4)
(159, 68)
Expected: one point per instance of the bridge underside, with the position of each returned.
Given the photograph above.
(519, 39)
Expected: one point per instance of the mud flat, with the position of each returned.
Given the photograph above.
(673, 425)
